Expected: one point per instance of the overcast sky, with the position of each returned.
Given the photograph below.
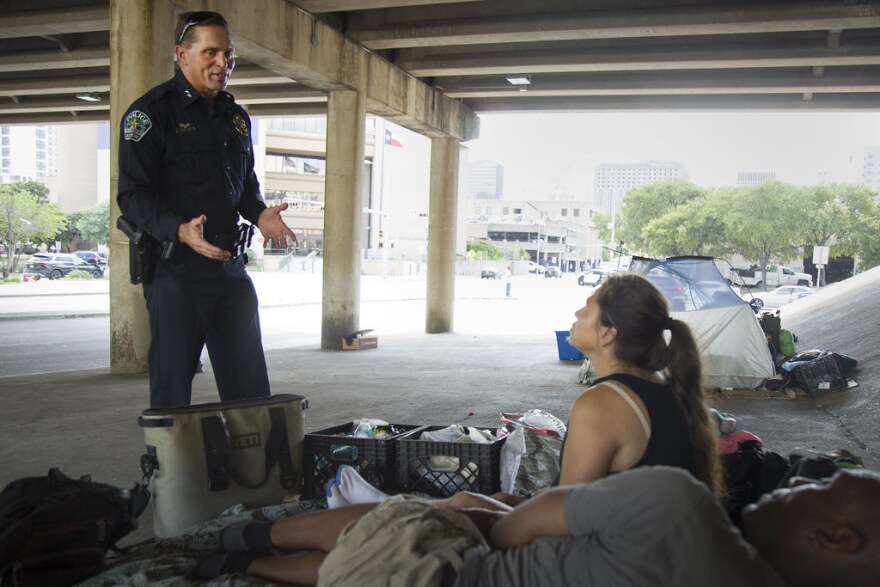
(802, 148)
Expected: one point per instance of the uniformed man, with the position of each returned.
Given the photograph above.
(186, 176)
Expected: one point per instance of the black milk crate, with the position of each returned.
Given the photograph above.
(373, 458)
(441, 469)
(820, 375)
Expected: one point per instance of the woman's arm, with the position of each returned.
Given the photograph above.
(591, 441)
(543, 515)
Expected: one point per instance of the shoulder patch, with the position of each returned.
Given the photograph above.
(240, 125)
(136, 125)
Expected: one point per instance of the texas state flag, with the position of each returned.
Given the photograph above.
(390, 140)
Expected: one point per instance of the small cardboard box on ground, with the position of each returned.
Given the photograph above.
(359, 341)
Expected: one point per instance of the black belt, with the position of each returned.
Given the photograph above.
(224, 240)
(236, 242)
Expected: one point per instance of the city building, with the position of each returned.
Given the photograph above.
(72, 160)
(754, 177)
(871, 169)
(291, 165)
(486, 180)
(553, 228)
(28, 152)
(614, 180)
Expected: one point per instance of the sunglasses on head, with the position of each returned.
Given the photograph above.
(197, 18)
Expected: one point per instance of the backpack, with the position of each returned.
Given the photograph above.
(786, 343)
(55, 530)
(749, 473)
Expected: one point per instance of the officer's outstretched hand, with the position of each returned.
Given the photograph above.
(272, 226)
(192, 234)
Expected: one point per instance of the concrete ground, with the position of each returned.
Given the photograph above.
(498, 360)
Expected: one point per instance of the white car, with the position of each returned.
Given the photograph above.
(780, 296)
(591, 278)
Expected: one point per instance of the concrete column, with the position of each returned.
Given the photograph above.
(442, 213)
(343, 211)
(141, 56)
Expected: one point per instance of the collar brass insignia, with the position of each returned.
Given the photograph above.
(184, 127)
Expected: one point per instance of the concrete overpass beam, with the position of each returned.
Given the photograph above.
(346, 130)
(442, 214)
(141, 49)
(283, 38)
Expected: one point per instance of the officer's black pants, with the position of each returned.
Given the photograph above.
(195, 302)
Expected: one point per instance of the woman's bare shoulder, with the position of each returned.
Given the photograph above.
(597, 397)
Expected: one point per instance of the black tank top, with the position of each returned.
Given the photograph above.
(669, 443)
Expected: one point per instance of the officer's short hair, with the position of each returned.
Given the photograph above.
(190, 20)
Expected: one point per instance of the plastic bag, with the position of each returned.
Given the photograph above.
(454, 433)
(449, 434)
(536, 420)
(371, 428)
(529, 461)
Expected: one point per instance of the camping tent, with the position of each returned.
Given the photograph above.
(732, 345)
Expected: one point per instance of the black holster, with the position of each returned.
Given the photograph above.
(142, 251)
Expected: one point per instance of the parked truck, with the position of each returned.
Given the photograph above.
(776, 276)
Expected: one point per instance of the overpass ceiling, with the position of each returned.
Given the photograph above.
(578, 55)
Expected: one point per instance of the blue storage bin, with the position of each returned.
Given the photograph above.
(566, 351)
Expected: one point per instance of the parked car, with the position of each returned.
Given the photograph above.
(552, 271)
(93, 257)
(57, 265)
(536, 268)
(780, 296)
(776, 276)
(673, 288)
(490, 273)
(591, 278)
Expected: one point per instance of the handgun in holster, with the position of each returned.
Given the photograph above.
(141, 251)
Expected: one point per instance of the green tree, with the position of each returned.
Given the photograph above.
(602, 226)
(23, 217)
(37, 189)
(485, 249)
(833, 215)
(761, 222)
(693, 228)
(69, 235)
(870, 245)
(645, 203)
(93, 224)
(863, 239)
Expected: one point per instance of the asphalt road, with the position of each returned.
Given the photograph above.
(29, 347)
(290, 316)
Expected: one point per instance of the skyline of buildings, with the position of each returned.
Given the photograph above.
(73, 161)
(871, 168)
(613, 180)
(486, 180)
(754, 177)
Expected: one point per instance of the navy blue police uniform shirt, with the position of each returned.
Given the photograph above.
(179, 157)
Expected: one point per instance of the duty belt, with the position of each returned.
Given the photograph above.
(236, 242)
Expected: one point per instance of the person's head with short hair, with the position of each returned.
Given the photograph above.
(204, 51)
(821, 533)
(625, 320)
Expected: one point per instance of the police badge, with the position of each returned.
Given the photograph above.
(136, 125)
(240, 125)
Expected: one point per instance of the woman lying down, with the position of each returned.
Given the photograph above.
(646, 526)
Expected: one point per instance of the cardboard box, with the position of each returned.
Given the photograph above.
(359, 341)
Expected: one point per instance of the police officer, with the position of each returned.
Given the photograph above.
(186, 176)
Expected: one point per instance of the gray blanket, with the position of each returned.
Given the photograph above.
(171, 561)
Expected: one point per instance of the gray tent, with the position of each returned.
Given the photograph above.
(732, 345)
